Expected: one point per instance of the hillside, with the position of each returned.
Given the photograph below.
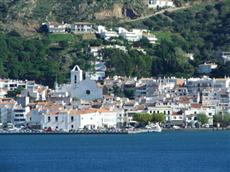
(202, 30)
(25, 16)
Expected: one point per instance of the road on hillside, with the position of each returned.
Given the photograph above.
(156, 13)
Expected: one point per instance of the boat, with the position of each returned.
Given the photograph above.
(176, 127)
(154, 128)
(148, 129)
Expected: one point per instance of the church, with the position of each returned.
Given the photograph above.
(82, 87)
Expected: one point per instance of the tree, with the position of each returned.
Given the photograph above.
(226, 120)
(142, 118)
(217, 118)
(63, 44)
(129, 92)
(158, 117)
(202, 118)
(14, 93)
(223, 119)
(144, 42)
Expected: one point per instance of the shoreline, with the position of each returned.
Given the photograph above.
(111, 132)
(197, 129)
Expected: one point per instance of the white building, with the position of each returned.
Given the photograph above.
(160, 3)
(195, 85)
(20, 117)
(81, 86)
(6, 110)
(82, 27)
(206, 68)
(54, 27)
(9, 84)
(99, 73)
(106, 34)
(191, 113)
(80, 119)
(84, 88)
(226, 56)
(35, 91)
(221, 83)
(152, 38)
(133, 36)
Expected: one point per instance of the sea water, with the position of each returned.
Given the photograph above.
(175, 151)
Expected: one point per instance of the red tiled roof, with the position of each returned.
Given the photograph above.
(196, 105)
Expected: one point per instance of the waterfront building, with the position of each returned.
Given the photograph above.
(20, 116)
(6, 110)
(74, 119)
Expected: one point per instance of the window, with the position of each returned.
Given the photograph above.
(75, 79)
(88, 92)
(56, 118)
(48, 119)
(72, 126)
(19, 110)
(72, 118)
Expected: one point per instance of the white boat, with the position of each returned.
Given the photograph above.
(154, 128)
(148, 129)
(176, 127)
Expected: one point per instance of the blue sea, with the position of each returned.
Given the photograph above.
(179, 151)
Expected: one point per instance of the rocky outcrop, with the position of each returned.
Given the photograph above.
(116, 11)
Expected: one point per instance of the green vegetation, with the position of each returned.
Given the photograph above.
(203, 31)
(14, 93)
(202, 118)
(158, 117)
(67, 37)
(39, 59)
(142, 118)
(132, 63)
(130, 92)
(145, 118)
(222, 119)
(68, 10)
